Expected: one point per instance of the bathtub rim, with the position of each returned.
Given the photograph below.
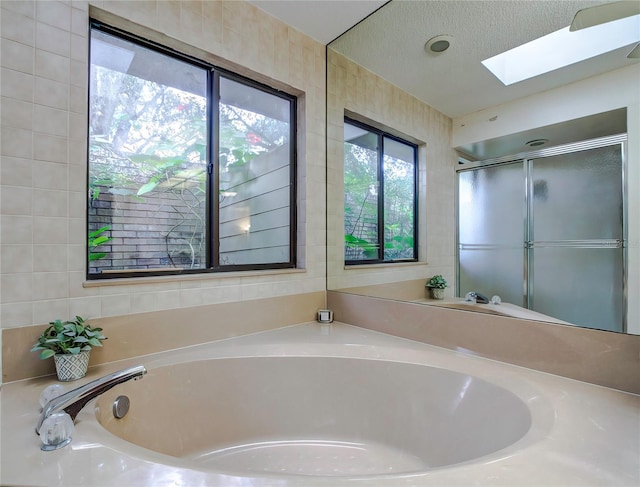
(539, 406)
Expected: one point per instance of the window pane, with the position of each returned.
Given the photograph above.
(255, 176)
(399, 200)
(147, 159)
(360, 193)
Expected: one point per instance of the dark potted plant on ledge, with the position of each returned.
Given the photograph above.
(70, 344)
(437, 285)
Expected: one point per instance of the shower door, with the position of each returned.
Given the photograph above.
(567, 206)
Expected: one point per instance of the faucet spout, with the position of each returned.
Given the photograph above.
(476, 297)
(73, 401)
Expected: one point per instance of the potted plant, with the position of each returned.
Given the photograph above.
(69, 343)
(437, 285)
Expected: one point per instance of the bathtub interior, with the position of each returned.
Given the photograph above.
(329, 416)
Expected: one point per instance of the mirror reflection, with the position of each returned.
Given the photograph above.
(527, 192)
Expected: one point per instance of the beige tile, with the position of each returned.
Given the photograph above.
(49, 257)
(54, 13)
(50, 285)
(52, 66)
(50, 230)
(191, 21)
(87, 307)
(48, 310)
(16, 258)
(16, 288)
(16, 56)
(49, 175)
(16, 314)
(168, 300)
(51, 93)
(50, 148)
(51, 203)
(79, 22)
(115, 305)
(78, 74)
(16, 201)
(17, 114)
(16, 85)
(79, 52)
(144, 302)
(77, 257)
(22, 7)
(52, 39)
(50, 121)
(16, 142)
(15, 172)
(16, 229)
(17, 27)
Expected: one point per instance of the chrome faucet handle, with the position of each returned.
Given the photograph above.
(470, 296)
(73, 401)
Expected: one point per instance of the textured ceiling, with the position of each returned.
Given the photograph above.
(391, 44)
(322, 20)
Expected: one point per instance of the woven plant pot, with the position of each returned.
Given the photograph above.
(437, 293)
(71, 367)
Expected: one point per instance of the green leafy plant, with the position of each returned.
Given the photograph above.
(437, 282)
(68, 337)
(95, 240)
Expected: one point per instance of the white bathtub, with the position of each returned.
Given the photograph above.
(318, 416)
(300, 406)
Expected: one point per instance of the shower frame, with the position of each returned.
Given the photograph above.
(526, 159)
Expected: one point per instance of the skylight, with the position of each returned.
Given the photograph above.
(562, 48)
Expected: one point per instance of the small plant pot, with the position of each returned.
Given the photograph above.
(71, 367)
(437, 293)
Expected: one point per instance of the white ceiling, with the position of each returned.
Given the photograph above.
(391, 43)
(323, 20)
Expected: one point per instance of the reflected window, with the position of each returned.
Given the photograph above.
(191, 168)
(380, 200)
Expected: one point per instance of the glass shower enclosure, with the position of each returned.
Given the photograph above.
(546, 231)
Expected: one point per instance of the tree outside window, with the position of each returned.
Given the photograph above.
(191, 169)
(380, 180)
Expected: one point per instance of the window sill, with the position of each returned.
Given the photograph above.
(190, 277)
(384, 265)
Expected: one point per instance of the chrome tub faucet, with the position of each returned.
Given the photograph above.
(73, 401)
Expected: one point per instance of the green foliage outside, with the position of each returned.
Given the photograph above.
(361, 205)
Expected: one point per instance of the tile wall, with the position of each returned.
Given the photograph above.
(354, 89)
(44, 62)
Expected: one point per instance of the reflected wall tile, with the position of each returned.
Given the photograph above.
(51, 93)
(17, 27)
(54, 13)
(22, 7)
(50, 148)
(52, 66)
(52, 39)
(16, 85)
(17, 56)
(16, 142)
(16, 201)
(15, 172)
(16, 229)
(48, 202)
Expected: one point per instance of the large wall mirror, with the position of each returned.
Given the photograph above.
(528, 188)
